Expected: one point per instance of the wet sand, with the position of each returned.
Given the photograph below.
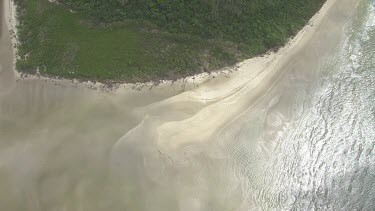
(6, 56)
(1, 18)
(74, 148)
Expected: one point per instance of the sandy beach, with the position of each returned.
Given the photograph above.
(255, 77)
(7, 78)
(232, 90)
(207, 142)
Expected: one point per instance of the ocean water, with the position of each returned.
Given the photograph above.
(307, 144)
(323, 157)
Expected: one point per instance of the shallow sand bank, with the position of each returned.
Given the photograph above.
(166, 148)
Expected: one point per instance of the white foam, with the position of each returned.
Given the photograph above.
(371, 20)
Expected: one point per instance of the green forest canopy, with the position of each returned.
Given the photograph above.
(262, 23)
(196, 32)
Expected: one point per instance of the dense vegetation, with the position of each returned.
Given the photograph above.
(139, 40)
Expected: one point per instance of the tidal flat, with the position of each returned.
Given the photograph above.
(293, 130)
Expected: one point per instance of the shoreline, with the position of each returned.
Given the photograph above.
(245, 91)
(259, 63)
